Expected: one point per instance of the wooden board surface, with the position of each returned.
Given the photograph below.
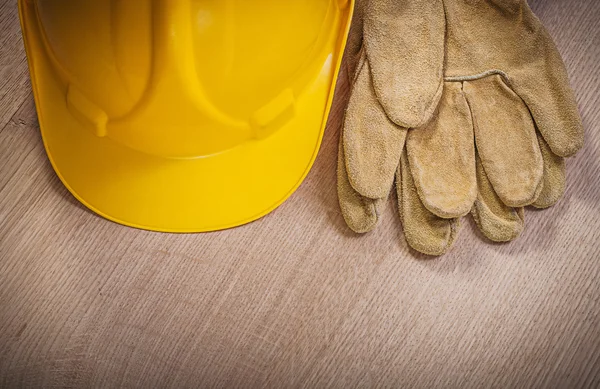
(295, 299)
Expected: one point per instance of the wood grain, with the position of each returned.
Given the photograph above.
(295, 299)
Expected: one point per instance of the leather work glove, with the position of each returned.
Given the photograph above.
(466, 106)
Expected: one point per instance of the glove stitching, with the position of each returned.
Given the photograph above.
(478, 76)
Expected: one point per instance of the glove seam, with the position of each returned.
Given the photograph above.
(478, 76)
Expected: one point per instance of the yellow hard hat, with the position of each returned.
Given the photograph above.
(183, 115)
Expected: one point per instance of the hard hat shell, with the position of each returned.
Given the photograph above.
(183, 115)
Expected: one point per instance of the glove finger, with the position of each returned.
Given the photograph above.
(544, 87)
(424, 231)
(355, 39)
(372, 143)
(360, 213)
(496, 221)
(554, 179)
(442, 157)
(404, 41)
(505, 140)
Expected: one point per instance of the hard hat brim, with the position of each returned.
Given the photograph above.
(178, 195)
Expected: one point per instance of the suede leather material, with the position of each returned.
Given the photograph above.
(554, 177)
(441, 155)
(497, 221)
(355, 41)
(423, 230)
(360, 213)
(505, 35)
(372, 142)
(485, 94)
(404, 41)
(506, 140)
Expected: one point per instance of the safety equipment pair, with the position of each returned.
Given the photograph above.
(183, 115)
(466, 105)
(196, 115)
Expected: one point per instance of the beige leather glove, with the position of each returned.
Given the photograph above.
(467, 104)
